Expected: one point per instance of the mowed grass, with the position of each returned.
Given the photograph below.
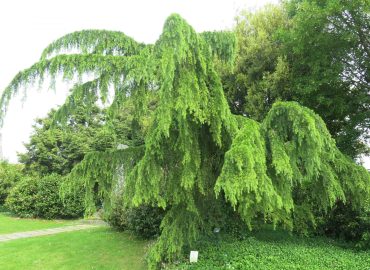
(11, 224)
(100, 248)
(277, 250)
(106, 249)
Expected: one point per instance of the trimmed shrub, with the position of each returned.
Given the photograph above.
(49, 204)
(116, 216)
(34, 197)
(23, 197)
(144, 221)
(10, 174)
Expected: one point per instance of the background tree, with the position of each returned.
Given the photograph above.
(313, 52)
(56, 147)
(198, 159)
(262, 73)
(328, 47)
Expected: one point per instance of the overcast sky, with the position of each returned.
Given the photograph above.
(27, 27)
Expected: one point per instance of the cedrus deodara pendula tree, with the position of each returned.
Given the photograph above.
(198, 160)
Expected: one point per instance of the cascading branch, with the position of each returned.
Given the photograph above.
(288, 167)
(197, 158)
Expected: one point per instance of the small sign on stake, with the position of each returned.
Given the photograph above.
(193, 256)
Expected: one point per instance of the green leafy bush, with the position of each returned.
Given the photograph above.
(144, 221)
(23, 197)
(10, 174)
(364, 242)
(39, 197)
(49, 203)
(116, 216)
(346, 223)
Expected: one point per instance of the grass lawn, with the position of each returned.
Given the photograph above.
(10, 224)
(106, 249)
(101, 248)
(277, 250)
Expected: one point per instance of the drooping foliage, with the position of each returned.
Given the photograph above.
(196, 158)
(94, 42)
(223, 45)
(288, 165)
(313, 52)
(111, 169)
(96, 56)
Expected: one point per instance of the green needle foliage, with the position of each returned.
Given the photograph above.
(286, 165)
(197, 160)
(94, 42)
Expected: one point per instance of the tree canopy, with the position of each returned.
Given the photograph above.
(56, 148)
(312, 52)
(196, 157)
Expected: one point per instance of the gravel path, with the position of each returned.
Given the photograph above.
(19, 235)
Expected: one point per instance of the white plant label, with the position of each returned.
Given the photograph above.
(193, 256)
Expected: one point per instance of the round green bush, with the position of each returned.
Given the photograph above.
(116, 216)
(49, 204)
(144, 221)
(39, 197)
(10, 174)
(23, 197)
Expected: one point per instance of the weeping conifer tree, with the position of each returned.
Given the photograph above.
(197, 158)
